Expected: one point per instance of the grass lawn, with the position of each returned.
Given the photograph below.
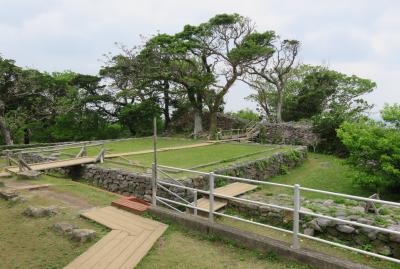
(30, 243)
(324, 172)
(320, 247)
(179, 248)
(206, 158)
(136, 144)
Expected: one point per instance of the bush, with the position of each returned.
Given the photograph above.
(374, 149)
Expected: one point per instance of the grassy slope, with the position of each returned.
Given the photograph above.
(136, 145)
(188, 158)
(323, 172)
(30, 243)
(179, 248)
(309, 244)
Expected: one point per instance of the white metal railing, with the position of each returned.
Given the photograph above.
(296, 210)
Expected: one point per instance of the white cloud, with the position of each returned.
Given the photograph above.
(359, 37)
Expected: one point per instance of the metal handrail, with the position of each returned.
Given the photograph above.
(296, 210)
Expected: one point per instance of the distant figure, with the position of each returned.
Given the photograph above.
(27, 135)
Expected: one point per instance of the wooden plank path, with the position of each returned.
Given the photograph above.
(115, 155)
(132, 236)
(5, 174)
(55, 164)
(233, 189)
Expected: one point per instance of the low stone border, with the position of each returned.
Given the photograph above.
(255, 242)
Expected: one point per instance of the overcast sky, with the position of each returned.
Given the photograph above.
(354, 37)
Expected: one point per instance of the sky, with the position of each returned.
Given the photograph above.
(360, 37)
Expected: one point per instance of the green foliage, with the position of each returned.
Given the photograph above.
(138, 118)
(246, 114)
(374, 149)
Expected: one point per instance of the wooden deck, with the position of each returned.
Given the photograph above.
(129, 241)
(234, 189)
(5, 174)
(55, 164)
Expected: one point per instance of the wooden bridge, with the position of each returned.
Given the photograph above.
(54, 164)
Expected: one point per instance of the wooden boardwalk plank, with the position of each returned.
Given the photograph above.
(129, 241)
(233, 189)
(55, 164)
(93, 249)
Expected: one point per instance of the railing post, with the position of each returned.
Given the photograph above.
(296, 216)
(211, 197)
(195, 203)
(154, 185)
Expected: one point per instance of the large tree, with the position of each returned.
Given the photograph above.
(226, 46)
(275, 70)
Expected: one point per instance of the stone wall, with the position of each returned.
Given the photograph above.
(365, 238)
(290, 133)
(139, 184)
(267, 167)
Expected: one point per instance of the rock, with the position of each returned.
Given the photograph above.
(357, 210)
(328, 203)
(82, 235)
(314, 225)
(382, 248)
(309, 231)
(365, 221)
(323, 223)
(63, 228)
(345, 229)
(8, 194)
(305, 209)
(394, 237)
(29, 174)
(340, 213)
(371, 233)
(38, 212)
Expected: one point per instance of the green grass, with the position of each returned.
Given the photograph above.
(213, 156)
(80, 190)
(136, 145)
(309, 244)
(179, 248)
(30, 243)
(324, 172)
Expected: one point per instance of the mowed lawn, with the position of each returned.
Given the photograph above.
(30, 243)
(136, 144)
(324, 172)
(206, 158)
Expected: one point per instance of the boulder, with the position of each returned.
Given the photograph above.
(309, 231)
(38, 212)
(323, 223)
(345, 229)
(63, 228)
(82, 235)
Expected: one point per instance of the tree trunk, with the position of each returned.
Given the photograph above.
(198, 122)
(279, 105)
(213, 122)
(166, 106)
(5, 131)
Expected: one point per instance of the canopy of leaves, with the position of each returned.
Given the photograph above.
(375, 149)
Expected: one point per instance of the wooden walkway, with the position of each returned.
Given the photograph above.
(5, 174)
(55, 164)
(234, 189)
(129, 241)
(115, 155)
